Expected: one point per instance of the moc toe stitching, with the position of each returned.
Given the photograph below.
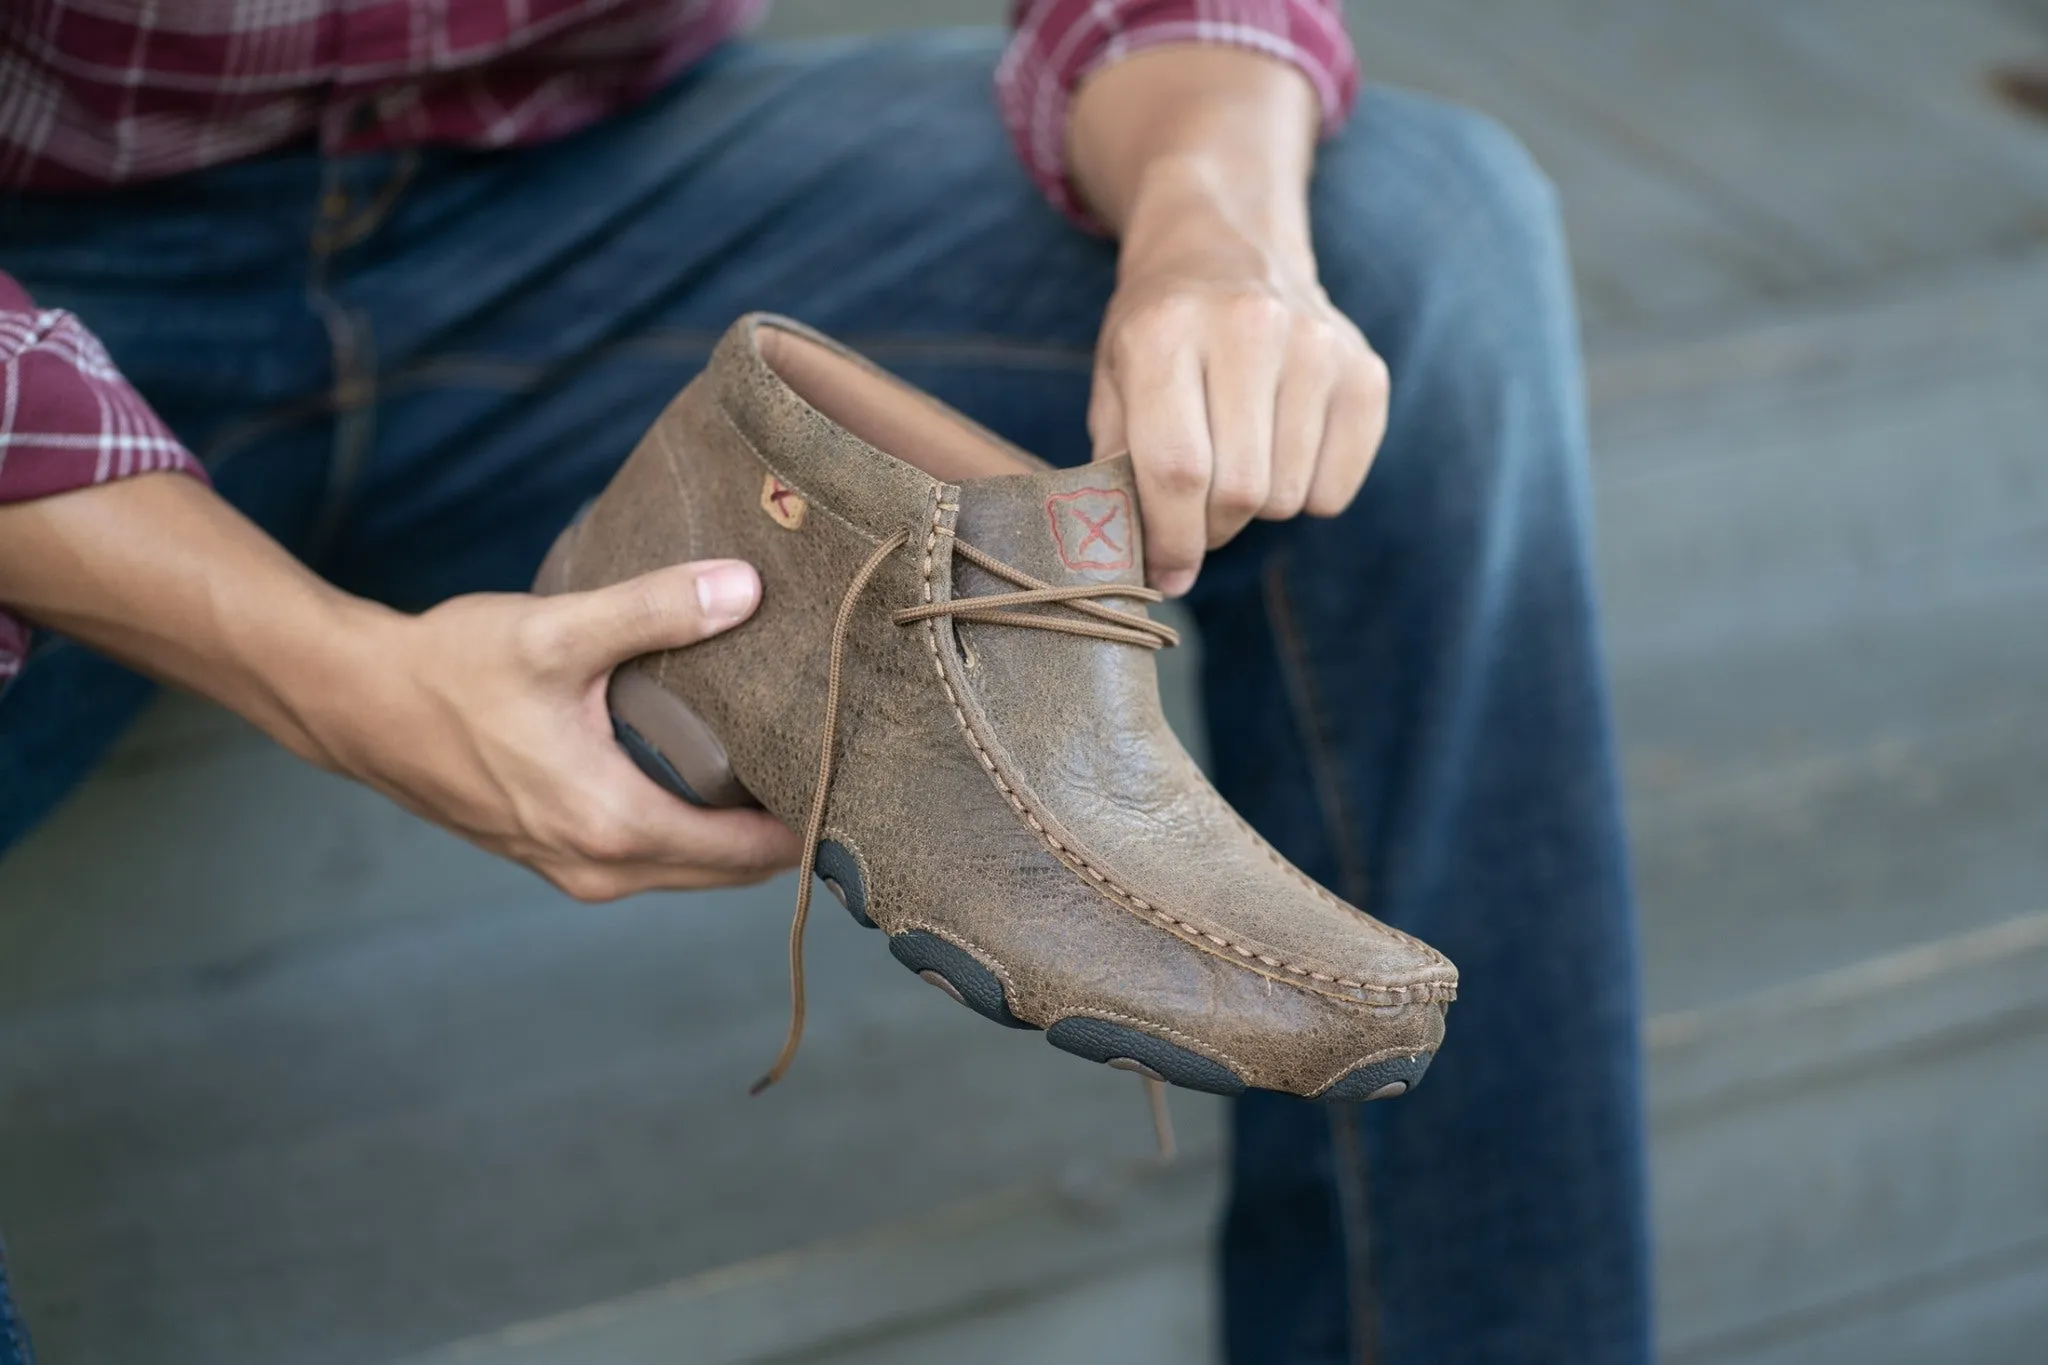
(1192, 934)
(1070, 856)
(1442, 964)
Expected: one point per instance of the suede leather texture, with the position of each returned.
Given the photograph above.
(1016, 792)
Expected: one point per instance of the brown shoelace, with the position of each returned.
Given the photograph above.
(1090, 619)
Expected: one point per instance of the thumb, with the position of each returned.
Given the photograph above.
(665, 609)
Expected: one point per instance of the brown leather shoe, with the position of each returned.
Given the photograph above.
(949, 686)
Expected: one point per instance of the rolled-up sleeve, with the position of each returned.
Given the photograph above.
(67, 420)
(1057, 43)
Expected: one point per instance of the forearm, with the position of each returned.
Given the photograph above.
(1222, 368)
(1193, 139)
(162, 574)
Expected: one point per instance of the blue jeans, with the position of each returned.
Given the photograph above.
(412, 368)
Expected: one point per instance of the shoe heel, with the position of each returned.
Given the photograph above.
(671, 743)
(664, 738)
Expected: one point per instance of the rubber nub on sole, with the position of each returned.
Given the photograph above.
(972, 982)
(1385, 1079)
(1101, 1041)
(840, 872)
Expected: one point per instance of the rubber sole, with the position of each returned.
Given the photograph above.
(957, 973)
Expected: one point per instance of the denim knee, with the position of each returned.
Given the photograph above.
(1440, 236)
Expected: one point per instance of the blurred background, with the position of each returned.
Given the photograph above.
(295, 1079)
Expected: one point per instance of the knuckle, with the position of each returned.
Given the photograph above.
(595, 835)
(1256, 314)
(1237, 495)
(1373, 376)
(1286, 501)
(1154, 324)
(586, 884)
(542, 639)
(1179, 471)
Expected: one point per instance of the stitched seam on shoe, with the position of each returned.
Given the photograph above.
(860, 860)
(1194, 1044)
(670, 461)
(1108, 885)
(981, 955)
(669, 457)
(973, 950)
(1310, 884)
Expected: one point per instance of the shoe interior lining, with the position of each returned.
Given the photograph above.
(885, 412)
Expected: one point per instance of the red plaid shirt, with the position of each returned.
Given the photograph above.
(102, 92)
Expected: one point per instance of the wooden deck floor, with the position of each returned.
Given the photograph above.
(417, 1099)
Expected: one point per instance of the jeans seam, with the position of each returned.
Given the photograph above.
(1354, 1211)
(1346, 1154)
(333, 234)
(1309, 714)
(352, 397)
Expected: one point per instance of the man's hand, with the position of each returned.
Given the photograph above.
(487, 715)
(1222, 367)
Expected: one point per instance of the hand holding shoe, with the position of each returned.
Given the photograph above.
(488, 717)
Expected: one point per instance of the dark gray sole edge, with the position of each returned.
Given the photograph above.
(976, 986)
(1101, 1041)
(1374, 1080)
(650, 761)
(840, 870)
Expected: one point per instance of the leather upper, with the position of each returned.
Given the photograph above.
(1014, 791)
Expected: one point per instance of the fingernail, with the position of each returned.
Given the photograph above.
(1177, 582)
(726, 590)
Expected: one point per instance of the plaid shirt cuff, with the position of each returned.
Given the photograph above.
(67, 420)
(1058, 43)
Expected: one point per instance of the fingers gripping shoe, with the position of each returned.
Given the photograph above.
(948, 688)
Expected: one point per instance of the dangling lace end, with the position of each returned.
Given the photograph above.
(814, 823)
(795, 1036)
(1162, 1120)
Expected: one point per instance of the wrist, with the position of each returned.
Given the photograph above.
(1197, 207)
(314, 679)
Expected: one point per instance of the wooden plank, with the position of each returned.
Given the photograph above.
(1824, 560)
(1827, 158)
(1112, 1261)
(1648, 242)
(1871, 1138)
(1985, 1309)
(1157, 1313)
(1934, 58)
(1784, 1120)
(421, 1133)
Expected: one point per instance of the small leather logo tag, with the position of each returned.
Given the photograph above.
(783, 503)
(1092, 528)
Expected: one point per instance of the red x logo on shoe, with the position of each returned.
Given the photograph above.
(782, 503)
(1091, 527)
